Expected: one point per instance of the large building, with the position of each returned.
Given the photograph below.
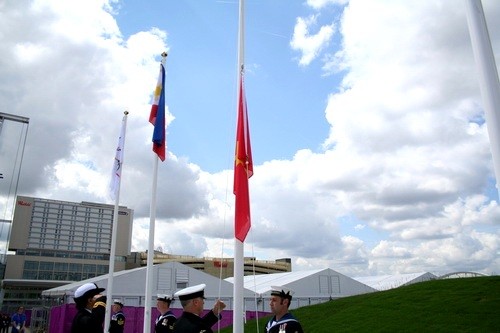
(53, 243)
(218, 267)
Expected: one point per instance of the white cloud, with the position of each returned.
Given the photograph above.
(310, 45)
(319, 4)
(407, 156)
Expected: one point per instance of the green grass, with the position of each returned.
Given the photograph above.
(450, 305)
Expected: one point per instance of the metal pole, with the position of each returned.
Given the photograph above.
(488, 78)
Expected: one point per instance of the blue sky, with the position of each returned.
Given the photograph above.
(370, 153)
(202, 76)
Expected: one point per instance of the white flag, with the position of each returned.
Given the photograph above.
(117, 165)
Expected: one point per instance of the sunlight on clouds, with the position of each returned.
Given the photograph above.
(333, 64)
(310, 45)
(29, 51)
(389, 250)
(80, 20)
(472, 249)
(145, 43)
(476, 209)
(134, 87)
(78, 176)
(319, 4)
(219, 248)
(353, 246)
(141, 234)
(178, 240)
(171, 237)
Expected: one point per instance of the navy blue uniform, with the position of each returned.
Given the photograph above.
(86, 322)
(165, 323)
(287, 324)
(117, 324)
(191, 323)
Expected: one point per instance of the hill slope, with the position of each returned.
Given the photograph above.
(451, 305)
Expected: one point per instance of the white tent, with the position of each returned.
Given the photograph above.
(129, 285)
(310, 287)
(385, 282)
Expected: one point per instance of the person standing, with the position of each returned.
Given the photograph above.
(117, 324)
(18, 321)
(192, 301)
(91, 308)
(4, 323)
(166, 320)
(282, 321)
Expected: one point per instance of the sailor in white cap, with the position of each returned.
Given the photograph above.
(117, 324)
(166, 320)
(282, 321)
(192, 301)
(91, 307)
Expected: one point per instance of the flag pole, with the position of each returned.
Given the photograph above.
(116, 182)
(488, 78)
(149, 270)
(149, 266)
(238, 300)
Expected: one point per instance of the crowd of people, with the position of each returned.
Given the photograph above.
(91, 306)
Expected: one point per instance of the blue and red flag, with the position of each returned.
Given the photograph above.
(157, 116)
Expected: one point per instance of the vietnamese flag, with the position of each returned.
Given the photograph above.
(243, 169)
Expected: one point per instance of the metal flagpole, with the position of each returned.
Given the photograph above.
(488, 78)
(238, 310)
(116, 181)
(149, 270)
(23, 120)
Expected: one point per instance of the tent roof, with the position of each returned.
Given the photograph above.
(261, 284)
(385, 282)
(101, 281)
(131, 282)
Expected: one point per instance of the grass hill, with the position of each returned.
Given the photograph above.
(450, 305)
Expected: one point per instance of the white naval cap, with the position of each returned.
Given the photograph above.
(117, 301)
(281, 292)
(88, 290)
(164, 298)
(191, 292)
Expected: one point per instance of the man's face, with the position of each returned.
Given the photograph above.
(91, 301)
(198, 304)
(278, 305)
(116, 308)
(161, 306)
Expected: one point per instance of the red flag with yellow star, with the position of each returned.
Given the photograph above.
(243, 169)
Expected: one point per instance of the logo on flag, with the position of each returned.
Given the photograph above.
(117, 165)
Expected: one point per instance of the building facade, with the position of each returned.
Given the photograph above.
(54, 242)
(218, 267)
